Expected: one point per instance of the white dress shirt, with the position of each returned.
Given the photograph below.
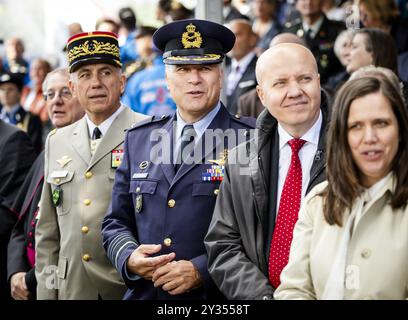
(315, 27)
(306, 155)
(103, 127)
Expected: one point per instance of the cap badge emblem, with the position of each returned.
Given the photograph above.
(191, 38)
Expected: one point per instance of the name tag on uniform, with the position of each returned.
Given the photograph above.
(117, 157)
(59, 174)
(140, 175)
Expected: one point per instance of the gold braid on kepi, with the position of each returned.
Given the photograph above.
(93, 47)
(193, 41)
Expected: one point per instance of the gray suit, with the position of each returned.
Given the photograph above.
(74, 201)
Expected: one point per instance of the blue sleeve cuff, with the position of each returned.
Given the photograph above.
(200, 263)
(128, 275)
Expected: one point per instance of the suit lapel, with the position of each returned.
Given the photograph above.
(168, 168)
(80, 142)
(260, 175)
(319, 161)
(114, 137)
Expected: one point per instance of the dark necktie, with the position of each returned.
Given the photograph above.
(308, 36)
(289, 206)
(187, 144)
(97, 134)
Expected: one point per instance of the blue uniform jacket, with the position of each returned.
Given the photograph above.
(147, 209)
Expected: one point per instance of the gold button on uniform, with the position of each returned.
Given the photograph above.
(138, 189)
(366, 253)
(167, 242)
(216, 192)
(87, 202)
(86, 257)
(88, 175)
(84, 229)
(57, 180)
(171, 203)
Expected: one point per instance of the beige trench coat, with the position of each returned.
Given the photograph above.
(377, 256)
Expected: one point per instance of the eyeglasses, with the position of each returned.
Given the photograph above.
(64, 93)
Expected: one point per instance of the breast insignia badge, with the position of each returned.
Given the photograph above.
(64, 161)
(144, 164)
(217, 170)
(57, 196)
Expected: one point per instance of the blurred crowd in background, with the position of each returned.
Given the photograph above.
(343, 36)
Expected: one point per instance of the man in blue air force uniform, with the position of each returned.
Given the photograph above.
(162, 203)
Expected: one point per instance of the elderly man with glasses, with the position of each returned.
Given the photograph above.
(63, 110)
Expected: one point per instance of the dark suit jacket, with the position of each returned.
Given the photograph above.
(140, 212)
(16, 157)
(22, 236)
(263, 43)
(31, 124)
(246, 83)
(322, 45)
(399, 31)
(403, 66)
(249, 104)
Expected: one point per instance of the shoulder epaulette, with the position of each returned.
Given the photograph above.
(152, 119)
(245, 121)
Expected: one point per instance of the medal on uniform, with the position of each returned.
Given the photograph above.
(117, 157)
(323, 61)
(217, 170)
(57, 196)
(139, 203)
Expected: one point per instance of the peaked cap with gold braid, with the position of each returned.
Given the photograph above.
(193, 41)
(93, 47)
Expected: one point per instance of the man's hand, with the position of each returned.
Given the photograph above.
(177, 277)
(141, 264)
(18, 285)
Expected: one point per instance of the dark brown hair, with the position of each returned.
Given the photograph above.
(382, 47)
(384, 10)
(342, 173)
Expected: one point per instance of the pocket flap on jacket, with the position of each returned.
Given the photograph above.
(204, 189)
(60, 177)
(143, 186)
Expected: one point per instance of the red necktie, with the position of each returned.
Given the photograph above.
(287, 215)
